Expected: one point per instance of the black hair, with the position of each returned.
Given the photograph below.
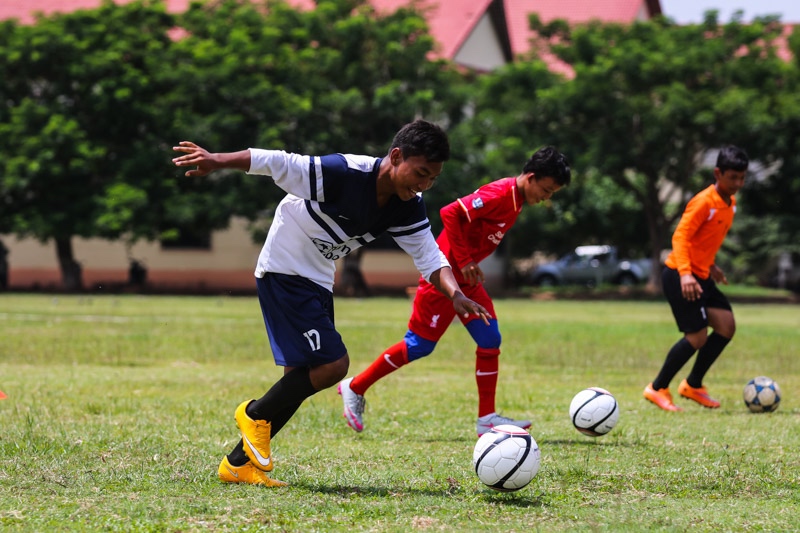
(732, 158)
(423, 138)
(549, 162)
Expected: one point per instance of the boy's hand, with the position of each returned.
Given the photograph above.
(195, 155)
(718, 275)
(465, 307)
(690, 288)
(473, 273)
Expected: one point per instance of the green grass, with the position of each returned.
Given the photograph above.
(120, 409)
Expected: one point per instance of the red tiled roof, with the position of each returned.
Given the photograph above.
(450, 25)
(573, 11)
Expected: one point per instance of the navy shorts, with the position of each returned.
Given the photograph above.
(691, 316)
(298, 315)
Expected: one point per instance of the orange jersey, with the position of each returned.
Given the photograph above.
(700, 233)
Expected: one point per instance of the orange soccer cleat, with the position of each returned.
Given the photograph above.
(698, 394)
(661, 398)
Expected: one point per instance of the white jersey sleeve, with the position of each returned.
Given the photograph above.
(300, 175)
(422, 248)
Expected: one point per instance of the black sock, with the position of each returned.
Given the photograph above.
(237, 457)
(279, 420)
(706, 357)
(289, 391)
(277, 406)
(680, 352)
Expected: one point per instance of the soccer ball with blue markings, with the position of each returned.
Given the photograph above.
(762, 395)
(506, 458)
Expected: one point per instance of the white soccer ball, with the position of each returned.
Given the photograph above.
(594, 411)
(506, 458)
(762, 395)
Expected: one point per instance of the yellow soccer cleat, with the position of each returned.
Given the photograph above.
(256, 435)
(245, 474)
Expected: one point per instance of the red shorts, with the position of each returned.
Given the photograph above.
(433, 311)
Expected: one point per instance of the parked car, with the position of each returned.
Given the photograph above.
(592, 265)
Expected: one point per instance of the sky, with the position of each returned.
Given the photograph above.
(691, 11)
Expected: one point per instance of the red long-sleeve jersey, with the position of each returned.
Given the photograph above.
(475, 224)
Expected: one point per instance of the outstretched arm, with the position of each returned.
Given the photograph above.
(206, 161)
(446, 283)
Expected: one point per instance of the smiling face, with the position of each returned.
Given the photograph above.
(535, 191)
(413, 174)
(729, 182)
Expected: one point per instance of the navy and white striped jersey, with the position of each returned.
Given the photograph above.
(332, 209)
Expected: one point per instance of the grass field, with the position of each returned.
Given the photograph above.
(119, 410)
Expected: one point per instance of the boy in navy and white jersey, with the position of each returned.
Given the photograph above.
(335, 204)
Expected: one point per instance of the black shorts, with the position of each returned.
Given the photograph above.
(691, 316)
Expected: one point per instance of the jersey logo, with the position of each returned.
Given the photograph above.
(434, 321)
(711, 214)
(477, 203)
(330, 251)
(496, 237)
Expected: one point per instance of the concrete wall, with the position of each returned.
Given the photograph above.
(227, 266)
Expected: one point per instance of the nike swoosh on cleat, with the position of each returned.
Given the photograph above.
(482, 373)
(234, 474)
(261, 460)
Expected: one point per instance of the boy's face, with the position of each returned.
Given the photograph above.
(536, 191)
(412, 174)
(730, 181)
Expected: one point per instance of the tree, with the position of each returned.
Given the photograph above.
(651, 99)
(76, 123)
(337, 78)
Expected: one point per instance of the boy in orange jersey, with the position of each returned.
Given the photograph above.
(690, 280)
(474, 226)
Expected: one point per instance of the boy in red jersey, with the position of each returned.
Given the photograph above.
(473, 228)
(690, 280)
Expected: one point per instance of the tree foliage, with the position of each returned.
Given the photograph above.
(647, 103)
(77, 125)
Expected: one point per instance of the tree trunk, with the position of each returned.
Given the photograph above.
(352, 282)
(657, 229)
(71, 277)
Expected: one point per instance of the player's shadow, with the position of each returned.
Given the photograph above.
(504, 498)
(586, 442)
(522, 499)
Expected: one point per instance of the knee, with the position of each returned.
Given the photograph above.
(727, 330)
(328, 375)
(486, 337)
(697, 339)
(417, 346)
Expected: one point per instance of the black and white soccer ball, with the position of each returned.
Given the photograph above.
(762, 395)
(506, 458)
(594, 411)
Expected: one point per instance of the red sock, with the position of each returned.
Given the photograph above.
(486, 367)
(390, 360)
